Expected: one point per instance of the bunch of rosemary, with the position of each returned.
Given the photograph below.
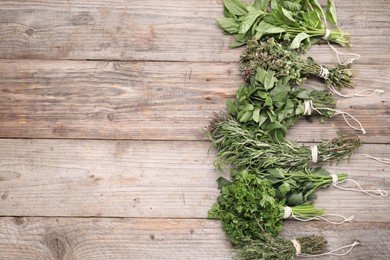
(271, 55)
(303, 22)
(251, 148)
(273, 106)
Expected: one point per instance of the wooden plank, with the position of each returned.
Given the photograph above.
(147, 179)
(99, 238)
(153, 100)
(172, 30)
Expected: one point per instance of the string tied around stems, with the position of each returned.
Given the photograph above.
(378, 193)
(309, 108)
(297, 247)
(354, 57)
(288, 213)
(324, 72)
(314, 153)
(368, 92)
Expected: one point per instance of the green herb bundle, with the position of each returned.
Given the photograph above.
(251, 148)
(275, 248)
(249, 205)
(273, 106)
(303, 22)
(296, 187)
(271, 55)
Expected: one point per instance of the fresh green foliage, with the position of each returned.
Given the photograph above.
(303, 22)
(278, 248)
(296, 187)
(251, 148)
(272, 55)
(248, 206)
(273, 105)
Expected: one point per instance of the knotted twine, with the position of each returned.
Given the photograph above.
(297, 247)
(288, 212)
(378, 193)
(309, 108)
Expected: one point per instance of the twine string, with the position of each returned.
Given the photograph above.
(378, 193)
(324, 72)
(382, 160)
(334, 252)
(309, 108)
(368, 92)
(289, 213)
(297, 246)
(314, 153)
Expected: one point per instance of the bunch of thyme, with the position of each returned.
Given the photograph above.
(275, 248)
(251, 148)
(271, 55)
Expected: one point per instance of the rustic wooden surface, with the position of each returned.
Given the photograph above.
(102, 111)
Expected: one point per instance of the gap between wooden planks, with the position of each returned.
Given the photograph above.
(148, 179)
(154, 100)
(174, 31)
(114, 238)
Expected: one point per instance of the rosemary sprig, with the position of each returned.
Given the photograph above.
(251, 148)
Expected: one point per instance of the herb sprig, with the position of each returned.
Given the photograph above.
(251, 148)
(303, 22)
(271, 55)
(249, 205)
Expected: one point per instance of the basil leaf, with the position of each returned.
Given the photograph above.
(295, 199)
(260, 4)
(296, 43)
(249, 20)
(331, 14)
(228, 24)
(246, 116)
(235, 7)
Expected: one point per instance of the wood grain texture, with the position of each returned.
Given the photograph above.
(154, 100)
(172, 30)
(100, 238)
(148, 179)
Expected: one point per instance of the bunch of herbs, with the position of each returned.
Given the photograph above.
(303, 22)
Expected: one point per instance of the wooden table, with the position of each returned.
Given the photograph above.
(103, 104)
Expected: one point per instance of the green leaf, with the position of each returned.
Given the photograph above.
(231, 107)
(288, 15)
(269, 80)
(275, 29)
(228, 24)
(268, 102)
(249, 20)
(246, 116)
(263, 118)
(236, 7)
(295, 199)
(292, 6)
(284, 188)
(222, 182)
(256, 115)
(260, 75)
(277, 173)
(331, 14)
(260, 4)
(249, 107)
(296, 43)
